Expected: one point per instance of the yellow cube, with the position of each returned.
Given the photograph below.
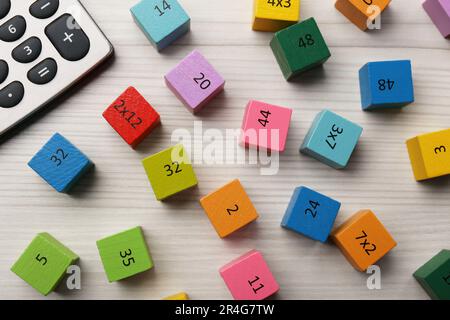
(274, 15)
(178, 296)
(430, 154)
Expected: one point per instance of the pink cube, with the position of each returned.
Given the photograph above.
(194, 81)
(439, 12)
(249, 277)
(265, 126)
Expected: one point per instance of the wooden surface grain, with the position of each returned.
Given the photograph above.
(186, 250)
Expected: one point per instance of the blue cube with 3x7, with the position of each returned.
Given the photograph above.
(311, 213)
(331, 139)
(162, 21)
(60, 163)
(386, 84)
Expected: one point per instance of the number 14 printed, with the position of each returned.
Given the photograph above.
(165, 6)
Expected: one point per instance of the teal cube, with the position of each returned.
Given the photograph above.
(299, 48)
(162, 21)
(331, 139)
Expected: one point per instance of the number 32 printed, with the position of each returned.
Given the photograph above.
(58, 156)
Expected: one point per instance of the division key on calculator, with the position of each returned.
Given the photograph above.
(46, 46)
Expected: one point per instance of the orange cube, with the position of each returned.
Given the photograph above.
(229, 208)
(361, 12)
(363, 239)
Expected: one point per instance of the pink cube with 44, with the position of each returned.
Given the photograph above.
(265, 126)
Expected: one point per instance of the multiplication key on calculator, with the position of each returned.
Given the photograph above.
(46, 46)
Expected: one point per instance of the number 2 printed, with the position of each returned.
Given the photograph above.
(235, 209)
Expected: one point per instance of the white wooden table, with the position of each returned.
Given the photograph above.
(186, 249)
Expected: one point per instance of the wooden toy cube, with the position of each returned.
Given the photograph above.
(265, 126)
(249, 278)
(60, 163)
(331, 139)
(311, 213)
(132, 117)
(124, 254)
(430, 154)
(178, 296)
(299, 48)
(274, 15)
(434, 276)
(162, 21)
(386, 84)
(363, 239)
(229, 208)
(44, 263)
(362, 12)
(439, 12)
(170, 172)
(195, 82)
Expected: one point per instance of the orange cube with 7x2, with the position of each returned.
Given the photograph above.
(363, 239)
(229, 208)
(362, 12)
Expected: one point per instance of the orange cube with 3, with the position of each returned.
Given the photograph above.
(363, 239)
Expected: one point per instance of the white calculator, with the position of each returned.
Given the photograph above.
(46, 46)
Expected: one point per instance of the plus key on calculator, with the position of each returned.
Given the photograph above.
(46, 46)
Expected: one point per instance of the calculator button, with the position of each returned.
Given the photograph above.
(13, 29)
(11, 95)
(68, 38)
(43, 9)
(44, 72)
(5, 5)
(28, 50)
(4, 70)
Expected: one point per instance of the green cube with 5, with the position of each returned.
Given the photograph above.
(124, 254)
(44, 263)
(299, 48)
